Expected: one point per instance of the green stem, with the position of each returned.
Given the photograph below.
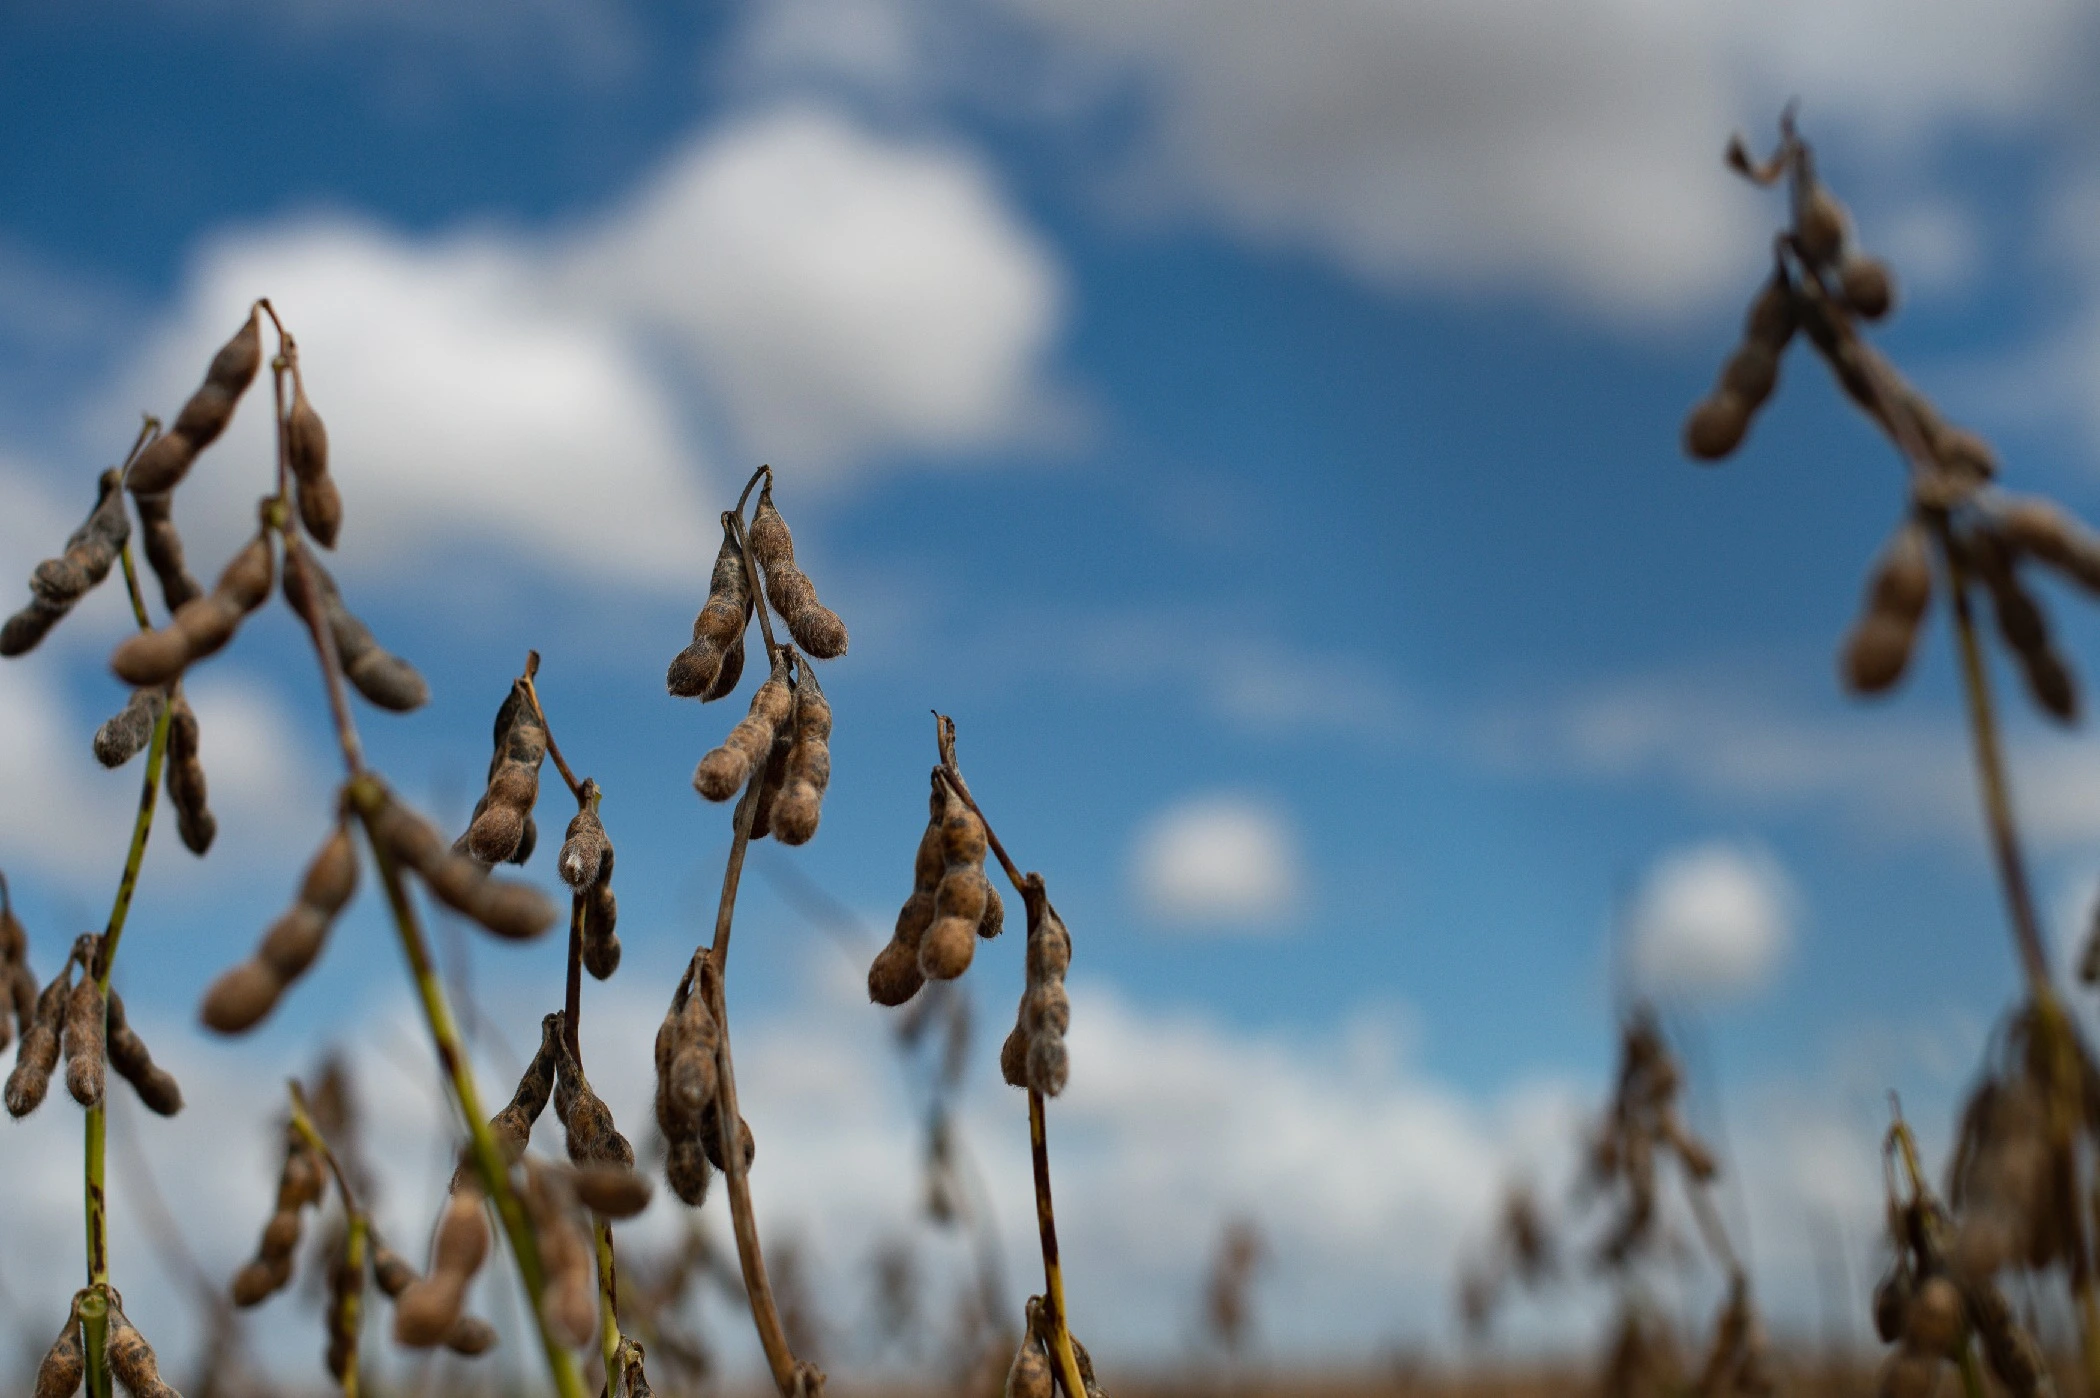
(94, 1337)
(609, 1337)
(368, 796)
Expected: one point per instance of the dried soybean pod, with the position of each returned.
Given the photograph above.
(800, 803)
(723, 772)
(588, 1122)
(1034, 1055)
(428, 1307)
(769, 786)
(1819, 223)
(306, 448)
(616, 1191)
(383, 678)
(569, 1300)
(1899, 588)
(512, 1127)
(185, 777)
(711, 1136)
(584, 846)
(132, 1362)
(125, 734)
(390, 1269)
(1774, 314)
(239, 999)
(203, 626)
(688, 1171)
(601, 915)
(815, 627)
(87, 1020)
(57, 583)
(894, 977)
(469, 1336)
(64, 1364)
(1867, 286)
(167, 459)
(497, 832)
(2024, 628)
(164, 549)
(1029, 1375)
(960, 899)
(128, 1054)
(1716, 425)
(37, 1054)
(703, 670)
(2012, 1353)
(513, 910)
(2045, 533)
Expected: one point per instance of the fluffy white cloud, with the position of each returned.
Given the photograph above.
(1218, 861)
(1711, 922)
(845, 293)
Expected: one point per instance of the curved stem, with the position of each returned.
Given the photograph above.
(532, 692)
(488, 1159)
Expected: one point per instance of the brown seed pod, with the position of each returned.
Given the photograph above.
(723, 772)
(1933, 1323)
(127, 732)
(300, 1183)
(64, 1364)
(1029, 1375)
(1751, 373)
(601, 914)
(963, 895)
(2011, 1352)
(2024, 628)
(37, 1054)
(1867, 286)
(769, 785)
(184, 776)
(894, 977)
(711, 1137)
(686, 1044)
(87, 1019)
(427, 1308)
(239, 999)
(502, 815)
(1899, 588)
(815, 627)
(616, 1191)
(59, 582)
(1962, 453)
(704, 669)
(132, 1362)
(1716, 426)
(306, 448)
(588, 1122)
(512, 1127)
(1910, 1375)
(688, 1172)
(383, 678)
(164, 549)
(512, 910)
(569, 1300)
(1774, 314)
(391, 1270)
(166, 460)
(1892, 1297)
(1034, 1054)
(584, 847)
(638, 1381)
(469, 1336)
(808, 767)
(2040, 530)
(203, 626)
(1819, 224)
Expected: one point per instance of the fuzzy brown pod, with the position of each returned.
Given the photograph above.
(167, 459)
(59, 582)
(724, 771)
(37, 1054)
(63, 1366)
(512, 1127)
(1867, 286)
(163, 547)
(569, 1300)
(894, 977)
(711, 1137)
(2010, 1350)
(1029, 1375)
(469, 1336)
(300, 1183)
(428, 1307)
(127, 732)
(1819, 224)
(87, 1021)
(688, 1171)
(240, 998)
(383, 678)
(306, 450)
(586, 1120)
(504, 813)
(710, 667)
(1716, 426)
(815, 627)
(962, 899)
(808, 765)
(1933, 1322)
(616, 1191)
(686, 1044)
(1899, 589)
(132, 1362)
(584, 846)
(586, 865)
(508, 909)
(2041, 530)
(391, 1270)
(183, 775)
(1034, 1054)
(601, 915)
(201, 627)
(2024, 628)
(770, 784)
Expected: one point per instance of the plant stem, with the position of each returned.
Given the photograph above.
(1053, 1271)
(610, 1341)
(765, 1313)
(369, 799)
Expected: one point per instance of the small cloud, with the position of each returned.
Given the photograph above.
(1711, 922)
(1221, 861)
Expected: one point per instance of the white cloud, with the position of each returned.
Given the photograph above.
(1711, 922)
(1218, 861)
(847, 294)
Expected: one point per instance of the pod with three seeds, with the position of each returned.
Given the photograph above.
(710, 667)
(167, 459)
(59, 582)
(203, 626)
(724, 771)
(239, 999)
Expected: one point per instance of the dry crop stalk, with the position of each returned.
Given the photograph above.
(1980, 536)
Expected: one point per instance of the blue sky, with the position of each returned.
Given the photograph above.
(1260, 433)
